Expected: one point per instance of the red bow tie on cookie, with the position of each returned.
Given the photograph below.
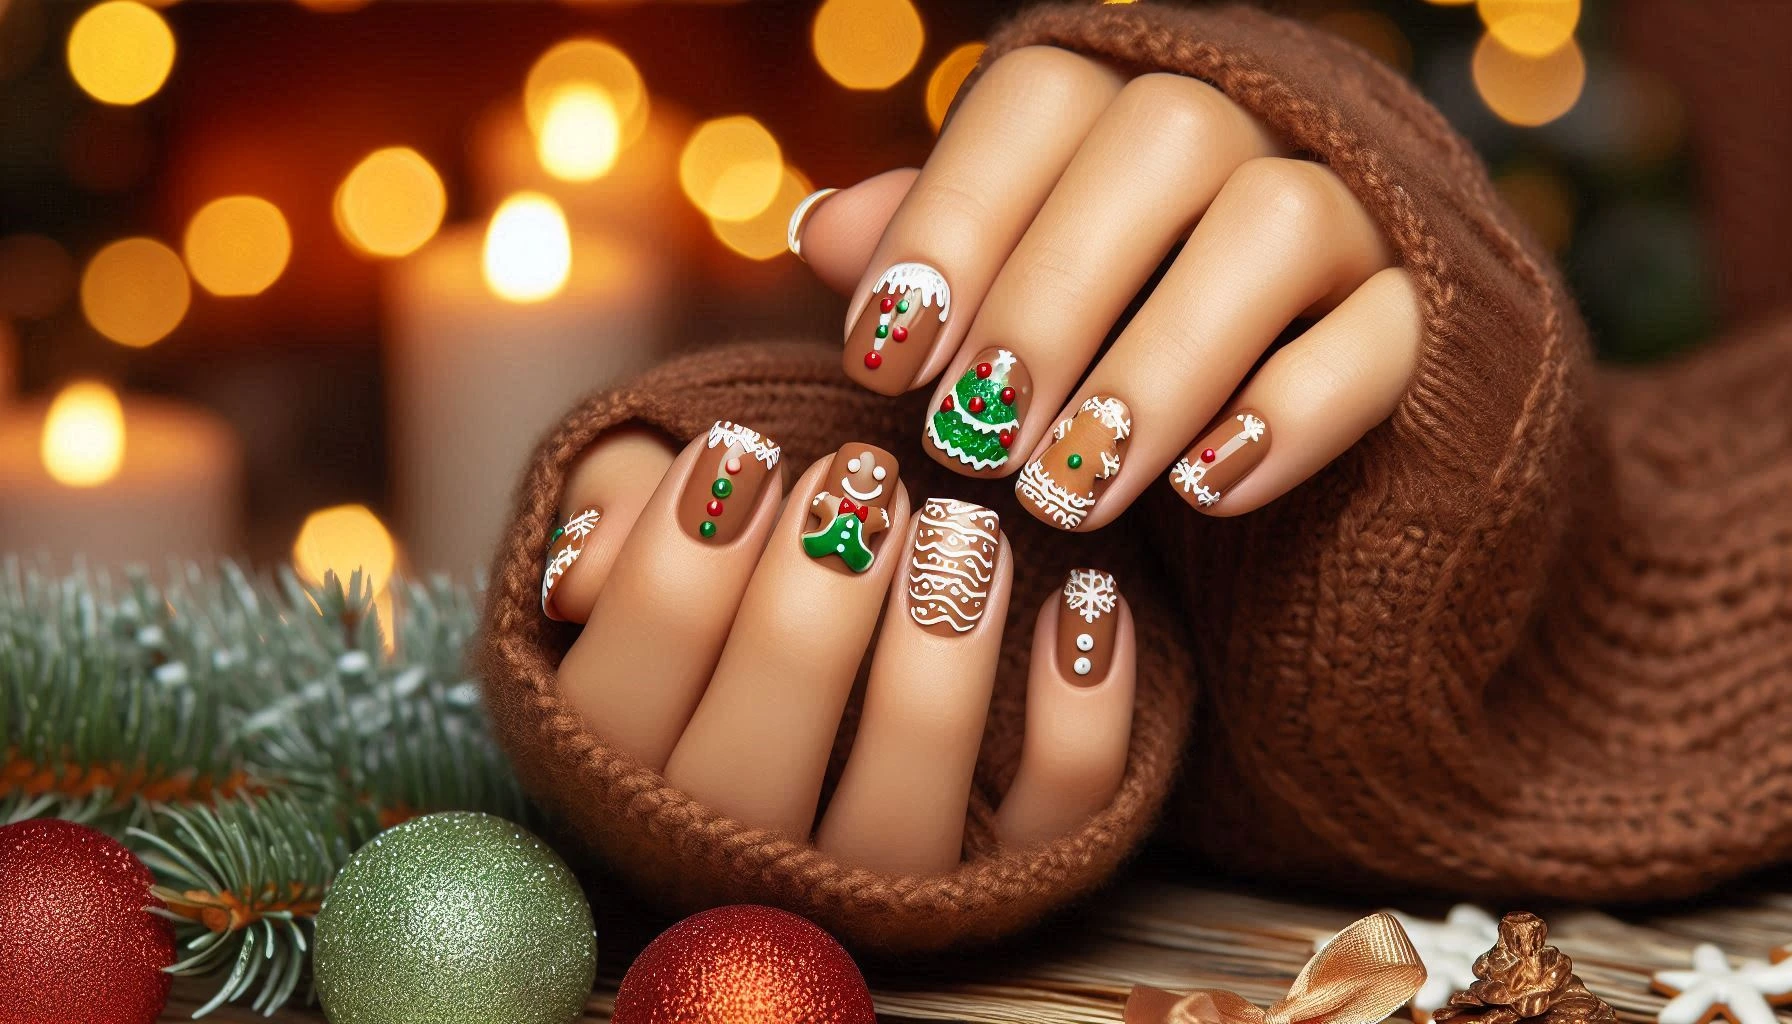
(847, 508)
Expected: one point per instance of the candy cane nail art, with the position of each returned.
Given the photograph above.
(951, 565)
(1088, 621)
(1221, 459)
(565, 545)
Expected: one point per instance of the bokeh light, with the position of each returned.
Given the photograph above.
(867, 44)
(763, 237)
(237, 245)
(581, 135)
(83, 439)
(944, 83)
(593, 63)
(135, 291)
(120, 52)
(36, 276)
(731, 168)
(391, 203)
(1528, 91)
(1534, 28)
(342, 539)
(528, 249)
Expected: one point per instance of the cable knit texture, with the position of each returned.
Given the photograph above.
(1528, 638)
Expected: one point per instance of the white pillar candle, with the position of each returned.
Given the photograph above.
(174, 492)
(475, 380)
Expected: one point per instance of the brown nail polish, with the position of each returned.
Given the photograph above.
(977, 423)
(952, 564)
(725, 483)
(852, 508)
(1087, 624)
(565, 545)
(902, 319)
(1221, 459)
(1063, 482)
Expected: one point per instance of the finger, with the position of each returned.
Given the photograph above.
(1079, 712)
(757, 747)
(1147, 171)
(835, 231)
(1282, 238)
(900, 805)
(608, 487)
(992, 168)
(1322, 393)
(680, 575)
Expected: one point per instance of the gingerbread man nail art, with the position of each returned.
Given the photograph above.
(865, 478)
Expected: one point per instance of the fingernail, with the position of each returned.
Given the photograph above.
(564, 546)
(1221, 459)
(793, 232)
(852, 509)
(951, 566)
(905, 314)
(978, 422)
(731, 470)
(1087, 624)
(1064, 481)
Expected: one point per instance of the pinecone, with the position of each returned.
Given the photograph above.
(1521, 979)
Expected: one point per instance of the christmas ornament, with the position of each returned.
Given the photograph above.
(744, 963)
(845, 523)
(1745, 994)
(455, 918)
(977, 422)
(1521, 979)
(77, 944)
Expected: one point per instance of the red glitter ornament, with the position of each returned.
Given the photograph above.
(76, 943)
(887, 304)
(1006, 437)
(1007, 396)
(946, 406)
(744, 963)
(873, 360)
(984, 370)
(976, 404)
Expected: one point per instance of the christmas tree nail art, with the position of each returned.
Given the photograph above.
(904, 316)
(731, 470)
(846, 522)
(979, 421)
(1061, 485)
(565, 545)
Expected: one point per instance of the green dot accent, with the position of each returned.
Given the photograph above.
(902, 307)
(559, 531)
(708, 529)
(1075, 461)
(721, 488)
(883, 330)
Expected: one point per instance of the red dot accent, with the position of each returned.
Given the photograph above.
(732, 466)
(1007, 396)
(715, 506)
(1208, 455)
(887, 305)
(976, 403)
(1006, 437)
(899, 333)
(873, 360)
(984, 370)
(946, 406)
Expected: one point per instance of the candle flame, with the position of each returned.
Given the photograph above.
(581, 134)
(83, 443)
(528, 249)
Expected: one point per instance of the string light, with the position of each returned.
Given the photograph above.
(120, 52)
(528, 249)
(762, 237)
(588, 62)
(135, 291)
(1528, 91)
(342, 539)
(581, 135)
(731, 168)
(391, 203)
(237, 245)
(83, 439)
(867, 44)
(944, 83)
(1532, 28)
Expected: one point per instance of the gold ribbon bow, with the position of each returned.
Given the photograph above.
(1364, 973)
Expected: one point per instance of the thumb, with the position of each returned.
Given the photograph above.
(837, 233)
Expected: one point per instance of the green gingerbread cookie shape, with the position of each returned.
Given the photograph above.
(865, 478)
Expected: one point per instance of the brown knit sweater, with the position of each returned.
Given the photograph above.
(1532, 636)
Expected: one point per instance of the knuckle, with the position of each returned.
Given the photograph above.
(1174, 107)
(948, 203)
(1297, 199)
(1043, 68)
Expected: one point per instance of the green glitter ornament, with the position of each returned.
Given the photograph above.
(454, 918)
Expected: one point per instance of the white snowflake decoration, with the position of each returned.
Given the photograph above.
(1090, 593)
(1113, 415)
(1253, 427)
(1002, 363)
(580, 526)
(1110, 464)
(1712, 988)
(1188, 476)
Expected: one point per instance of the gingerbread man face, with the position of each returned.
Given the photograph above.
(852, 507)
(864, 474)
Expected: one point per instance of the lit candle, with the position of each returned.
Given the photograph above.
(477, 378)
(138, 481)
